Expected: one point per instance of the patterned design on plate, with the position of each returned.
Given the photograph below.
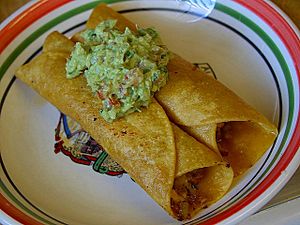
(285, 151)
(77, 144)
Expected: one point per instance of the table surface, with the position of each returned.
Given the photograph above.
(291, 8)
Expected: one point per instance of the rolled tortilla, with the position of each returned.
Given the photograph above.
(127, 140)
(216, 116)
(205, 108)
(200, 177)
(153, 151)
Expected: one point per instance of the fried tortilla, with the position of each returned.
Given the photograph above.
(206, 109)
(216, 116)
(178, 172)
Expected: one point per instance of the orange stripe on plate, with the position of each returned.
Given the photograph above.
(292, 43)
(265, 184)
(278, 23)
(15, 213)
(26, 18)
(7, 35)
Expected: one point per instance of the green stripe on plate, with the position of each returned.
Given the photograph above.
(287, 74)
(264, 36)
(219, 7)
(18, 50)
(20, 204)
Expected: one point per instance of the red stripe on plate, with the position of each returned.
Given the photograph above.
(278, 23)
(7, 35)
(15, 213)
(288, 36)
(26, 18)
(265, 184)
(262, 9)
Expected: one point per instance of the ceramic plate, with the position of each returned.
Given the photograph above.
(250, 46)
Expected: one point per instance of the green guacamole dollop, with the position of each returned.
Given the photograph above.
(124, 69)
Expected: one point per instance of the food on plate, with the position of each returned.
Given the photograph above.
(217, 116)
(159, 156)
(151, 137)
(124, 69)
(206, 109)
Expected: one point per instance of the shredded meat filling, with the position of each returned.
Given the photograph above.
(187, 195)
(221, 134)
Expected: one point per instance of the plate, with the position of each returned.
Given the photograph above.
(250, 46)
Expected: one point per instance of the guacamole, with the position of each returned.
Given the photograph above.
(124, 69)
